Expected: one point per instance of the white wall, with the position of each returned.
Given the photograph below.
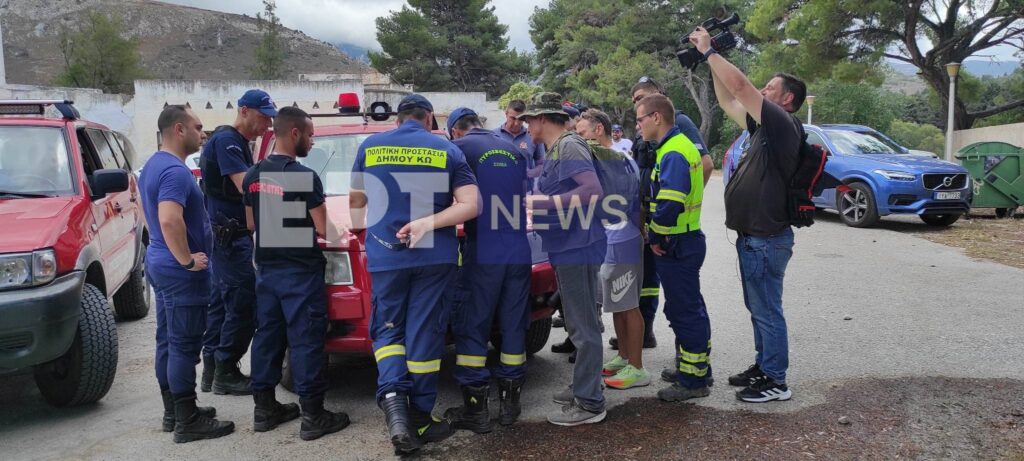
(1010, 134)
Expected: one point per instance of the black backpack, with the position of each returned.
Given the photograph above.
(805, 182)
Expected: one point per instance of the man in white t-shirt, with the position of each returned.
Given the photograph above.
(618, 142)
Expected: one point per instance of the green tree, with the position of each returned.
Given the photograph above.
(269, 55)
(97, 56)
(842, 102)
(519, 90)
(439, 45)
(845, 40)
(914, 136)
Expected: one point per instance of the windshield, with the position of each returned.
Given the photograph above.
(852, 142)
(33, 162)
(332, 158)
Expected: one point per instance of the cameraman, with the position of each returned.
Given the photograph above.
(755, 207)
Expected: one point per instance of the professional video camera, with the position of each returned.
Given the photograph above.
(689, 57)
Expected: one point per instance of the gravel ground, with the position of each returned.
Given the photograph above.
(885, 329)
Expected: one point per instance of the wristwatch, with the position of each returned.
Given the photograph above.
(710, 52)
(190, 265)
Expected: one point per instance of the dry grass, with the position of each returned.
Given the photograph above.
(985, 237)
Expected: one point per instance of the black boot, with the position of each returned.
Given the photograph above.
(650, 342)
(474, 414)
(229, 380)
(564, 347)
(190, 424)
(208, 412)
(396, 412)
(508, 396)
(209, 368)
(317, 422)
(428, 428)
(270, 413)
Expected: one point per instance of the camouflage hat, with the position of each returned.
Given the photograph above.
(543, 103)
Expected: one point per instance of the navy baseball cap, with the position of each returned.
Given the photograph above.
(572, 111)
(456, 115)
(414, 101)
(259, 100)
(616, 127)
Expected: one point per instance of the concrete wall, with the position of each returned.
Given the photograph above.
(210, 100)
(1010, 134)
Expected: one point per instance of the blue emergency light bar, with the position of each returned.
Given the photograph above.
(38, 107)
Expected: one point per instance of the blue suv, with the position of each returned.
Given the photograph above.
(880, 176)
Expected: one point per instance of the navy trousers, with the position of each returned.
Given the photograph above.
(408, 325)
(232, 317)
(292, 313)
(679, 270)
(180, 321)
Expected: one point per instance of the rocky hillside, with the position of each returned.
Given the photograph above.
(176, 42)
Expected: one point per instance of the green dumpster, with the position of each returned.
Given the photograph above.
(997, 173)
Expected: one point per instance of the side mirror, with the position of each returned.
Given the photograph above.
(107, 181)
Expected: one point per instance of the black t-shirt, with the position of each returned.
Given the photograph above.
(755, 198)
(271, 188)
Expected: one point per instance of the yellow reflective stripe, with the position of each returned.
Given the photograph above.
(653, 207)
(409, 156)
(470, 360)
(691, 357)
(659, 229)
(388, 351)
(650, 292)
(430, 366)
(513, 359)
(669, 194)
(692, 370)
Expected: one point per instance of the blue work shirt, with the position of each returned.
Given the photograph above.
(408, 173)
(165, 178)
(675, 174)
(534, 153)
(225, 153)
(499, 231)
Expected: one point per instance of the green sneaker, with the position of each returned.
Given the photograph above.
(614, 365)
(629, 376)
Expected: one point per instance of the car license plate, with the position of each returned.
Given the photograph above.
(947, 196)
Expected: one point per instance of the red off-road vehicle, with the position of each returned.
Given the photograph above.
(348, 282)
(71, 238)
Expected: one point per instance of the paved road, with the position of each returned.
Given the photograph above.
(917, 308)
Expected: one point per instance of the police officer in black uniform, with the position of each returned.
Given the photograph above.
(291, 302)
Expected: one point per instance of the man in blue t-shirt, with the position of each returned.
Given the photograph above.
(232, 316)
(176, 266)
(496, 273)
(404, 183)
(564, 216)
(514, 131)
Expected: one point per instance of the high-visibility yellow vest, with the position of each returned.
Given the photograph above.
(689, 219)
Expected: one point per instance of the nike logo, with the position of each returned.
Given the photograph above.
(621, 285)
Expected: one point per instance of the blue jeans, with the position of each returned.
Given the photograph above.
(763, 263)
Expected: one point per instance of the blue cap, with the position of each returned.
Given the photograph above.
(457, 114)
(259, 100)
(616, 127)
(572, 111)
(414, 101)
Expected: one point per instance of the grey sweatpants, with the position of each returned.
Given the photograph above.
(577, 285)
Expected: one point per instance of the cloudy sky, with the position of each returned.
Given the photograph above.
(352, 21)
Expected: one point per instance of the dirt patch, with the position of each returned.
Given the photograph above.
(918, 418)
(983, 236)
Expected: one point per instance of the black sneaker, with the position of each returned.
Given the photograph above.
(764, 389)
(747, 377)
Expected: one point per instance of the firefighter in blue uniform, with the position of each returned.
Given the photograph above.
(404, 182)
(677, 188)
(496, 272)
(231, 320)
(176, 266)
(291, 300)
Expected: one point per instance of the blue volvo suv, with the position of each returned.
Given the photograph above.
(881, 177)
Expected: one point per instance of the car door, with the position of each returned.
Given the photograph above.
(116, 230)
